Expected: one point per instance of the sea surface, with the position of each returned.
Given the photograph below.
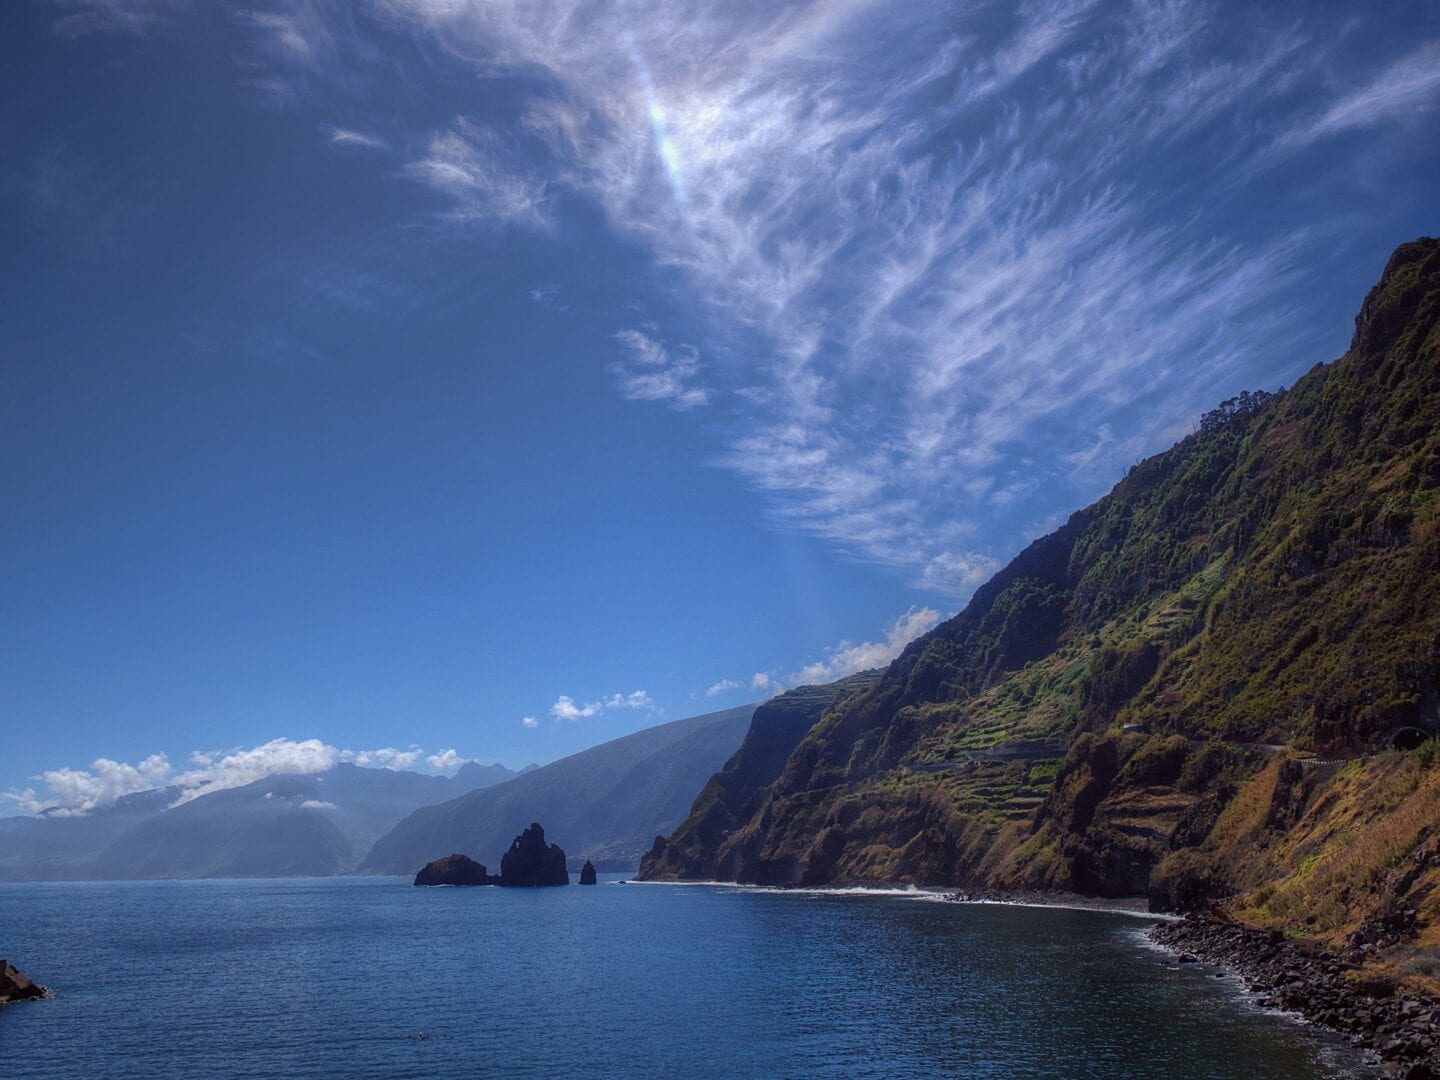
(371, 977)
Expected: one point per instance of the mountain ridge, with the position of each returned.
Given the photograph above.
(1147, 700)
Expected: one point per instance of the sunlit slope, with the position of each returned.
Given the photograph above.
(1109, 711)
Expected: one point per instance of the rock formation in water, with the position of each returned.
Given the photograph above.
(530, 861)
(587, 873)
(16, 987)
(455, 870)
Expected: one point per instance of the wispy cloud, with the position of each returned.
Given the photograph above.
(724, 686)
(651, 372)
(931, 243)
(529, 722)
(481, 177)
(77, 18)
(350, 139)
(1405, 88)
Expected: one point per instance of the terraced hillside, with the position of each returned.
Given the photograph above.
(1191, 689)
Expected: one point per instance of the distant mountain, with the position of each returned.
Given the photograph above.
(56, 847)
(276, 827)
(606, 804)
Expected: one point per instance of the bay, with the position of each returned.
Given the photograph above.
(371, 977)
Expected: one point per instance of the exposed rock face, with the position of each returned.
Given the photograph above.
(531, 861)
(455, 870)
(16, 987)
(587, 873)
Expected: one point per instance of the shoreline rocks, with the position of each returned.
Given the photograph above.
(14, 986)
(1402, 1029)
(587, 873)
(454, 870)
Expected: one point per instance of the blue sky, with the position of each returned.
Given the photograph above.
(415, 380)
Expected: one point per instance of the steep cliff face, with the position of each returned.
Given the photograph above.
(1151, 698)
(699, 850)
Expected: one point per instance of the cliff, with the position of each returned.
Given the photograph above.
(699, 849)
(1200, 688)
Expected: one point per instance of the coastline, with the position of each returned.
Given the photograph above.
(1133, 907)
(1401, 1029)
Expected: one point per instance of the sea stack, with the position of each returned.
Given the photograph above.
(587, 873)
(530, 861)
(455, 870)
(16, 987)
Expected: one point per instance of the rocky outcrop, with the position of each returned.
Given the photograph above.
(16, 987)
(531, 862)
(455, 870)
(587, 873)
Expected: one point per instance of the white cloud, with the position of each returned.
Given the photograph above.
(843, 659)
(385, 758)
(846, 658)
(317, 804)
(446, 761)
(766, 683)
(78, 791)
(566, 708)
(529, 722)
(957, 574)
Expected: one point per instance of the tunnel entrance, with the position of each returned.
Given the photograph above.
(1408, 738)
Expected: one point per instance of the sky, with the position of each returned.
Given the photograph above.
(414, 381)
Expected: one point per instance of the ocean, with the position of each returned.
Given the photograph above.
(372, 977)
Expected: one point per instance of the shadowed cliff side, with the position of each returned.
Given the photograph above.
(699, 850)
(1191, 689)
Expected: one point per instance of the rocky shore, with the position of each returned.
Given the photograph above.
(1327, 989)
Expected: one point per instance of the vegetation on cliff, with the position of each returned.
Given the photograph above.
(1191, 689)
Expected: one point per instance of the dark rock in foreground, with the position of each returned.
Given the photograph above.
(587, 873)
(455, 870)
(530, 861)
(16, 987)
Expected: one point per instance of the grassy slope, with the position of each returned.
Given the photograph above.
(1264, 594)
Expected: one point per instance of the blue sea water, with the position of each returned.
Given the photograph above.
(342, 977)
